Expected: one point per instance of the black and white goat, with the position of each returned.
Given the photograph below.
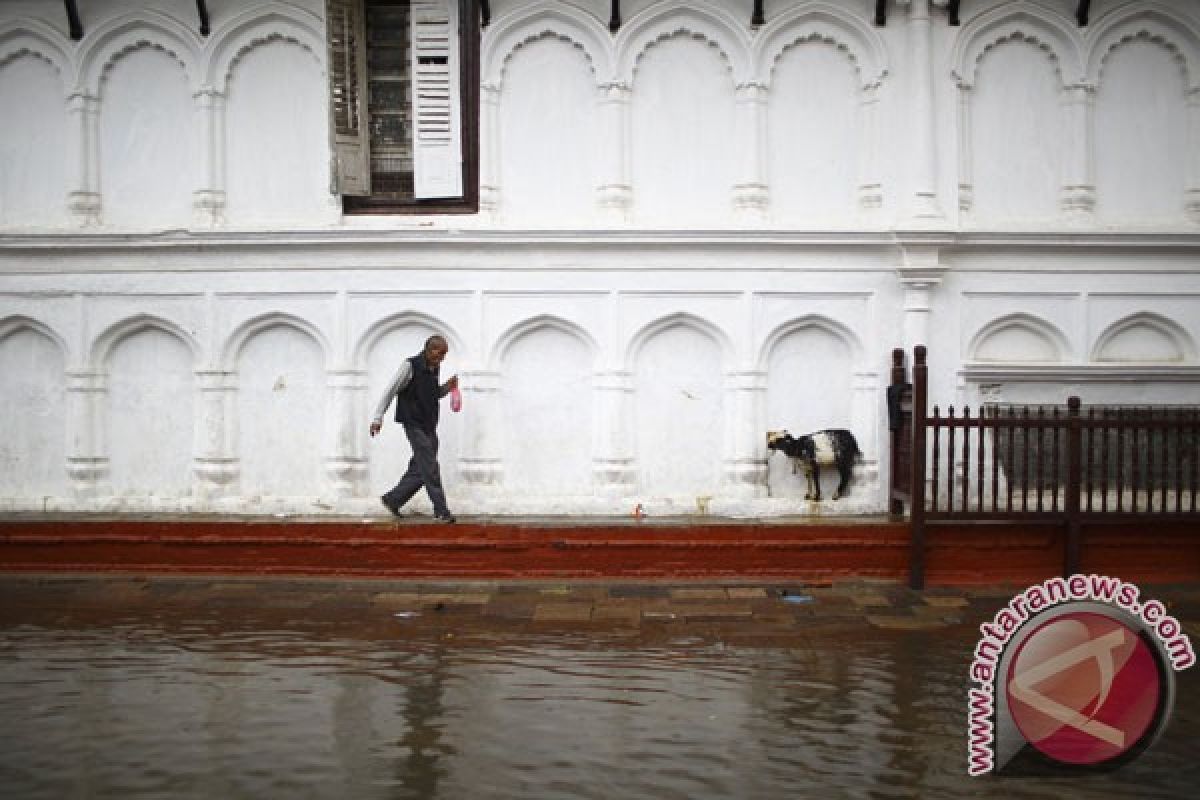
(837, 447)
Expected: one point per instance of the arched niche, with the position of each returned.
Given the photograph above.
(1144, 337)
(1018, 338)
(281, 407)
(679, 406)
(810, 365)
(546, 366)
(150, 417)
(33, 406)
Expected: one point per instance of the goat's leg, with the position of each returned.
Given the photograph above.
(808, 492)
(845, 471)
(814, 481)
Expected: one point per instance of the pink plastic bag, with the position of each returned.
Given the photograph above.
(455, 399)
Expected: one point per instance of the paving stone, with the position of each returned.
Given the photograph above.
(454, 599)
(904, 623)
(507, 610)
(745, 592)
(234, 587)
(620, 611)
(698, 594)
(397, 599)
(946, 601)
(870, 600)
(562, 612)
(638, 590)
(711, 610)
(994, 592)
(285, 601)
(933, 612)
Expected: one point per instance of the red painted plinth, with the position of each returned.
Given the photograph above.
(581, 549)
(577, 549)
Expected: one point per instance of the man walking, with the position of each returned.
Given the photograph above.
(417, 392)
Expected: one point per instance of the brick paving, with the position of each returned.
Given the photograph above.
(735, 609)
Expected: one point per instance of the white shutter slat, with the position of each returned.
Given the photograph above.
(437, 119)
(346, 26)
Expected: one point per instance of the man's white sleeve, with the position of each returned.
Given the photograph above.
(399, 381)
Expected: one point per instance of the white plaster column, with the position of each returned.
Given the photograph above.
(750, 192)
(1077, 197)
(923, 205)
(870, 183)
(920, 274)
(215, 462)
(966, 156)
(208, 200)
(1192, 189)
(613, 471)
(346, 466)
(87, 459)
(745, 464)
(480, 462)
(614, 195)
(864, 421)
(489, 150)
(83, 159)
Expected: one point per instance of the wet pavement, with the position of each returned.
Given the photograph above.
(203, 687)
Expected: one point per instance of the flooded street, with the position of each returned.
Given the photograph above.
(206, 689)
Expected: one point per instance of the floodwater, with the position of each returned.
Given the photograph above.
(183, 693)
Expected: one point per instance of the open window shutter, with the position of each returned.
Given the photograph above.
(437, 123)
(345, 21)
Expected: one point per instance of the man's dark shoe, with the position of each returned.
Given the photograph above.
(445, 519)
(391, 505)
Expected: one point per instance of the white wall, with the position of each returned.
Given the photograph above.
(693, 231)
(32, 145)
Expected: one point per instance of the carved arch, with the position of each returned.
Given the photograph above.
(263, 24)
(665, 20)
(1157, 24)
(815, 321)
(549, 321)
(1020, 21)
(32, 37)
(125, 34)
(680, 319)
(236, 342)
(381, 328)
(1043, 330)
(505, 36)
(19, 322)
(104, 344)
(825, 23)
(1179, 338)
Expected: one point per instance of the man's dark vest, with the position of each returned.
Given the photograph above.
(417, 403)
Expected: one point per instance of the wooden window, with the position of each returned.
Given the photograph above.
(404, 100)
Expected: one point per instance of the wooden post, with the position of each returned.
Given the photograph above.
(1071, 504)
(898, 430)
(916, 560)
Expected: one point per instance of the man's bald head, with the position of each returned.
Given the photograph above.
(436, 348)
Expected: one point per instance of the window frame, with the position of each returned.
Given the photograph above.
(469, 78)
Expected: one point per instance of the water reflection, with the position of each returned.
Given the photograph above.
(221, 702)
